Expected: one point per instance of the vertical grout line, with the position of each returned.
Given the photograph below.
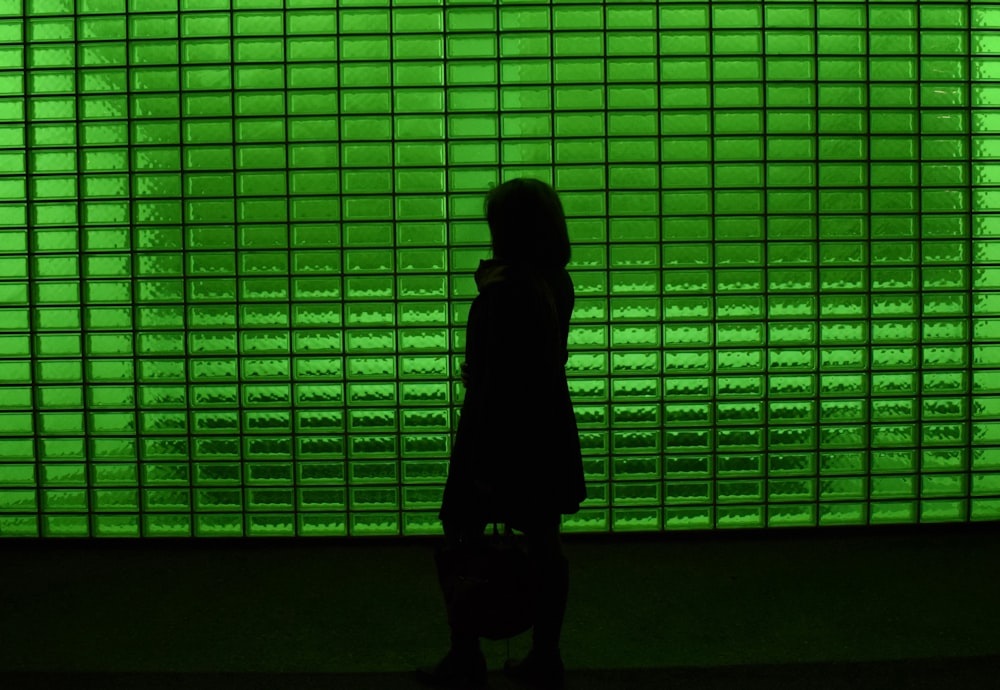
(238, 279)
(394, 280)
(968, 242)
(452, 354)
(867, 234)
(293, 436)
(342, 407)
(133, 309)
(714, 287)
(37, 448)
(182, 150)
(184, 272)
(134, 284)
(817, 238)
(660, 277)
(765, 287)
(606, 117)
(969, 236)
(919, 393)
(552, 104)
(81, 272)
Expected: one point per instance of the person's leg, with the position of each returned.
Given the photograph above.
(544, 547)
(465, 664)
(459, 533)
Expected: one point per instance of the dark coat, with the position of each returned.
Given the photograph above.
(516, 456)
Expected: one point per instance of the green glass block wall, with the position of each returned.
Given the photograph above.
(237, 240)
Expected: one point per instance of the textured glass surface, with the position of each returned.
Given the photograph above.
(237, 240)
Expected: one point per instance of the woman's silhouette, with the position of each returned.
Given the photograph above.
(516, 457)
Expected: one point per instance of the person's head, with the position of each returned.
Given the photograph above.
(527, 223)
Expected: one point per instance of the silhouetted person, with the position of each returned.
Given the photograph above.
(516, 457)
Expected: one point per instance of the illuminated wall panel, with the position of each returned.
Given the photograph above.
(237, 240)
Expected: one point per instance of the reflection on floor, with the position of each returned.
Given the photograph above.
(862, 608)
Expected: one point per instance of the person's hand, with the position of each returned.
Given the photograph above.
(465, 374)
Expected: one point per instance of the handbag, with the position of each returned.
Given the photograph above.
(489, 586)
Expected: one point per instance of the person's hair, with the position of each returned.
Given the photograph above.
(527, 223)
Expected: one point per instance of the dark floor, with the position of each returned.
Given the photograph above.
(860, 608)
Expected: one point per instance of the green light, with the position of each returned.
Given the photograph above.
(237, 240)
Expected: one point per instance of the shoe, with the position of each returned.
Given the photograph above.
(538, 671)
(457, 673)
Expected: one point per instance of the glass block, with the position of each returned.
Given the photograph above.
(739, 517)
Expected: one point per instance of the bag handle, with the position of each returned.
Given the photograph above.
(507, 532)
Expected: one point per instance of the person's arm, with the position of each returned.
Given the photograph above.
(471, 368)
